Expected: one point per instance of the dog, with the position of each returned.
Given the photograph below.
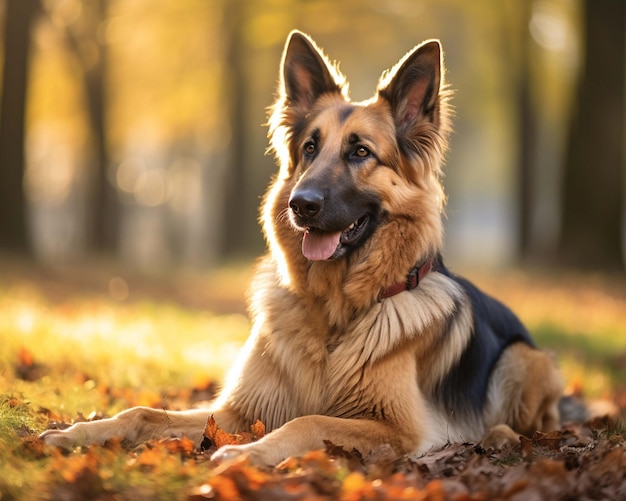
(360, 334)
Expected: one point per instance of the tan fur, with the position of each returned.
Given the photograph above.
(326, 359)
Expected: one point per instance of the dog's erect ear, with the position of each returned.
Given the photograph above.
(305, 73)
(412, 86)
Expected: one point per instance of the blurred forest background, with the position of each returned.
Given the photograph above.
(134, 129)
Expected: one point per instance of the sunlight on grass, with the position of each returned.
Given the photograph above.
(100, 331)
(77, 354)
(14, 416)
(593, 361)
(91, 343)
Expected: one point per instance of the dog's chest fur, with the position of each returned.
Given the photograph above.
(315, 368)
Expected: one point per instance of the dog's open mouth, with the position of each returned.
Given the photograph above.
(319, 245)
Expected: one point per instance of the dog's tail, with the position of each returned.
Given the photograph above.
(574, 409)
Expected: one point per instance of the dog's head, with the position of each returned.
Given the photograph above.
(359, 183)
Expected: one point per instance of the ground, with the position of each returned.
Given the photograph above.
(83, 342)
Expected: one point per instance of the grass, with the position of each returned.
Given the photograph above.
(89, 342)
(70, 349)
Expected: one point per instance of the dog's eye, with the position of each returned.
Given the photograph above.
(362, 152)
(309, 147)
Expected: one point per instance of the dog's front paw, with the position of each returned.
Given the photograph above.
(60, 438)
(252, 452)
(499, 437)
(229, 453)
(79, 434)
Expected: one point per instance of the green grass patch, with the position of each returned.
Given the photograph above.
(594, 361)
(16, 418)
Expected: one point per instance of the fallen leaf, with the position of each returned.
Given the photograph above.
(26, 368)
(219, 437)
(25, 357)
(32, 447)
(183, 446)
(550, 440)
(257, 429)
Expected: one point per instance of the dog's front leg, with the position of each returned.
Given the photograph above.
(132, 427)
(138, 425)
(308, 433)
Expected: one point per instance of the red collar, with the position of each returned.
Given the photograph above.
(415, 276)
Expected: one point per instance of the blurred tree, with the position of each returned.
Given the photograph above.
(527, 143)
(86, 39)
(593, 189)
(19, 17)
(105, 204)
(236, 210)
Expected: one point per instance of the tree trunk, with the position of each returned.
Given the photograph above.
(104, 231)
(238, 207)
(593, 188)
(527, 140)
(103, 222)
(19, 16)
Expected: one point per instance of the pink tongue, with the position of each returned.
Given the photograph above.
(320, 245)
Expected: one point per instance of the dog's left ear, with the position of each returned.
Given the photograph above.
(305, 73)
(412, 86)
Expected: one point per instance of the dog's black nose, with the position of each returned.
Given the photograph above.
(307, 202)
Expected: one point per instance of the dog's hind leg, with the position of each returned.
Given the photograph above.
(137, 425)
(525, 391)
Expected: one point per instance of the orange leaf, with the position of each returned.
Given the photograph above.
(183, 445)
(258, 429)
(225, 487)
(25, 356)
(355, 487)
(220, 438)
(150, 457)
(211, 428)
(435, 491)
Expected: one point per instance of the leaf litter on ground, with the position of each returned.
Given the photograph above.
(577, 462)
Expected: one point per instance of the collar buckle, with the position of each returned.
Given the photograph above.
(415, 276)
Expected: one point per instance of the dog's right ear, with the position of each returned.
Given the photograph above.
(306, 73)
(413, 86)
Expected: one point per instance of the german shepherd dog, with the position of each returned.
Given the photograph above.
(360, 334)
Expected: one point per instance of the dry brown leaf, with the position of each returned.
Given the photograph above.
(225, 488)
(258, 429)
(550, 440)
(25, 357)
(184, 446)
(219, 437)
(27, 369)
